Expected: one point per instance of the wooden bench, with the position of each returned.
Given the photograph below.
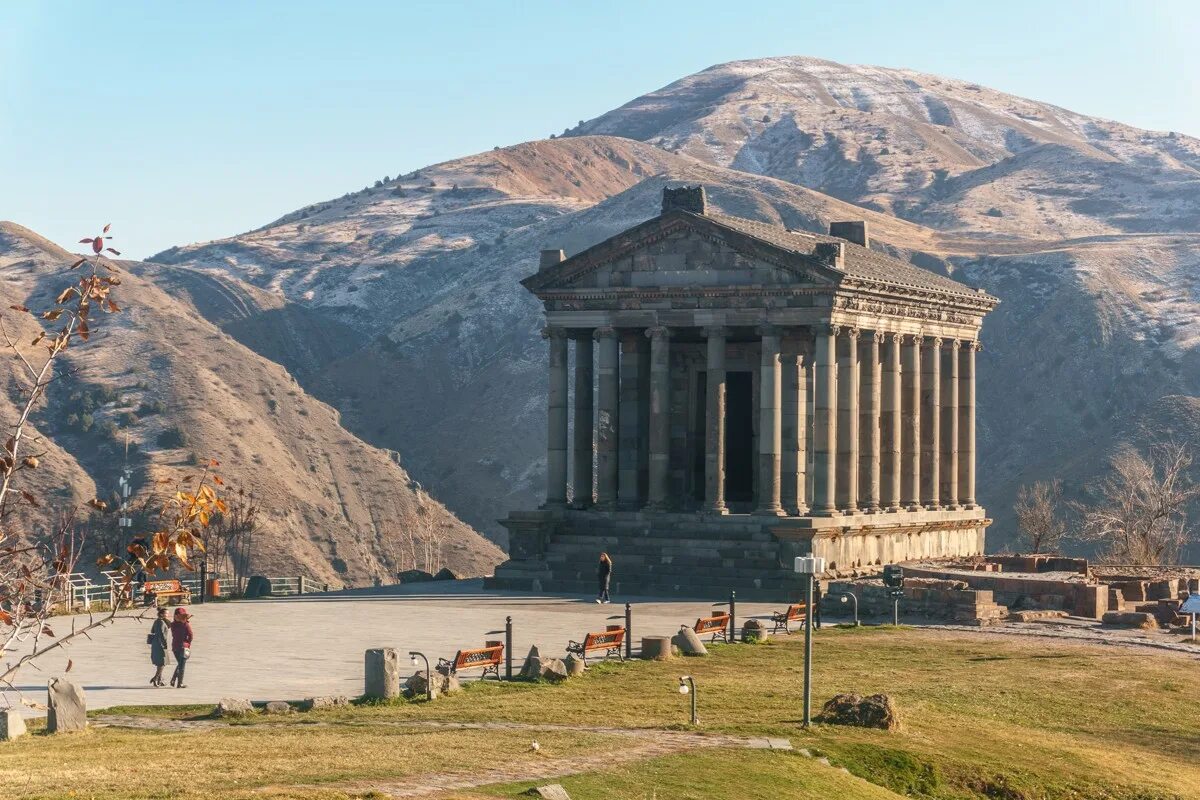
(796, 612)
(717, 625)
(610, 642)
(167, 589)
(487, 657)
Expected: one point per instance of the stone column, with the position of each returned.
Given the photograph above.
(556, 429)
(607, 399)
(910, 379)
(629, 420)
(660, 416)
(770, 436)
(847, 423)
(868, 422)
(931, 424)
(714, 427)
(825, 405)
(949, 477)
(793, 456)
(890, 428)
(581, 477)
(966, 427)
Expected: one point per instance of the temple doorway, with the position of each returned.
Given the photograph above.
(739, 437)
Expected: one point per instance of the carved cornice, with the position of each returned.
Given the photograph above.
(931, 313)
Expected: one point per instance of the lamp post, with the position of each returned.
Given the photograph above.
(809, 567)
(842, 597)
(428, 677)
(689, 688)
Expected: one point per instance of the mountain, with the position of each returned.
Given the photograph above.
(400, 306)
(160, 373)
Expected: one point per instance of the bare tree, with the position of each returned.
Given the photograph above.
(1141, 516)
(1041, 527)
(230, 536)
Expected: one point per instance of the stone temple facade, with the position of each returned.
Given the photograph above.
(743, 394)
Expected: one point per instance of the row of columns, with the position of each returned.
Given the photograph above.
(889, 434)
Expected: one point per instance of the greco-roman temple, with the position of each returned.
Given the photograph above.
(743, 394)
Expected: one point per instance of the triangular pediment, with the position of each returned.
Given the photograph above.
(679, 250)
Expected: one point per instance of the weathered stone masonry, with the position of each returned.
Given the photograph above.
(758, 393)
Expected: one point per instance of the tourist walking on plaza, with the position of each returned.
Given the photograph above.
(158, 646)
(181, 644)
(603, 573)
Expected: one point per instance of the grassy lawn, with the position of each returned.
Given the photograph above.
(983, 717)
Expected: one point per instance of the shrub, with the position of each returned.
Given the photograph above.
(172, 438)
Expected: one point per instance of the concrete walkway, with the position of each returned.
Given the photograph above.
(291, 648)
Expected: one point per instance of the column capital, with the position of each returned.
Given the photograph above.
(897, 338)
(605, 332)
(711, 331)
(767, 329)
(658, 332)
(934, 342)
(878, 337)
(792, 359)
(955, 344)
(976, 345)
(852, 333)
(554, 332)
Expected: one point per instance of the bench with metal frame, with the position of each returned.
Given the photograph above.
(166, 589)
(609, 642)
(488, 658)
(717, 625)
(796, 612)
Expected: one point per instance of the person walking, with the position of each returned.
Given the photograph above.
(603, 573)
(181, 644)
(158, 646)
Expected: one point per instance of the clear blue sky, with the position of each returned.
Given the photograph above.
(188, 121)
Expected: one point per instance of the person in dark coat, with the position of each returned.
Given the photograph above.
(603, 573)
(181, 644)
(158, 646)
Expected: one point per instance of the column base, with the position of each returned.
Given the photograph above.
(825, 512)
(605, 505)
(717, 511)
(912, 506)
(894, 509)
(933, 507)
(553, 505)
(777, 511)
(800, 511)
(872, 509)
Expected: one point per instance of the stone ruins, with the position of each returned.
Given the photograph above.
(743, 394)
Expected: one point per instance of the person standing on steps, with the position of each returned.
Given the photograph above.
(603, 573)
(158, 646)
(181, 644)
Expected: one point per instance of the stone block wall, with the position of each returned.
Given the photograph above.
(1077, 597)
(928, 598)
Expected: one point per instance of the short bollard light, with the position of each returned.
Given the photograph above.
(414, 655)
(689, 688)
(847, 597)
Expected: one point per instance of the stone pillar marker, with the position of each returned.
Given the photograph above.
(556, 438)
(890, 429)
(931, 385)
(660, 416)
(12, 725)
(581, 478)
(770, 436)
(629, 422)
(66, 706)
(714, 423)
(911, 459)
(607, 398)
(825, 423)
(869, 425)
(966, 427)
(847, 424)
(949, 475)
(381, 677)
(793, 409)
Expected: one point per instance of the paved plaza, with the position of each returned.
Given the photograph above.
(291, 648)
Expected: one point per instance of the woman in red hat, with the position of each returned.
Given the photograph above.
(181, 644)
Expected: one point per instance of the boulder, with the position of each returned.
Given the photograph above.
(688, 642)
(445, 574)
(574, 665)
(657, 648)
(67, 707)
(551, 791)
(754, 630)
(381, 677)
(413, 576)
(553, 669)
(325, 701)
(532, 668)
(443, 683)
(1129, 619)
(277, 707)
(233, 707)
(12, 725)
(875, 711)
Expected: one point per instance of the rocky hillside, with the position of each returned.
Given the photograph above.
(399, 305)
(333, 507)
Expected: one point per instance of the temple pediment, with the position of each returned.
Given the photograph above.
(681, 250)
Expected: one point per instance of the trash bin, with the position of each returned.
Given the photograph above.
(214, 588)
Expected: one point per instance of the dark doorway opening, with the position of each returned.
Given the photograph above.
(739, 437)
(699, 421)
